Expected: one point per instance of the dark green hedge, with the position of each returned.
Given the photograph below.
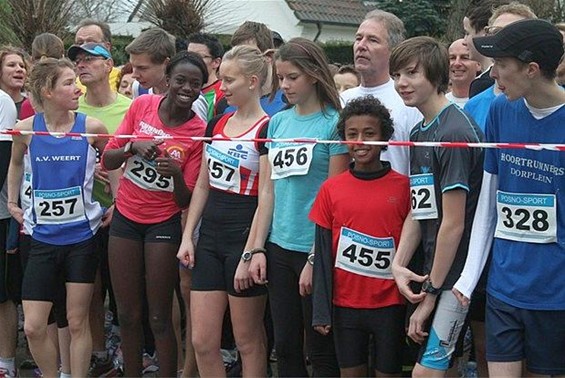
(337, 52)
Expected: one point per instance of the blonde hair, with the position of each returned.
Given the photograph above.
(44, 75)
(515, 8)
(250, 60)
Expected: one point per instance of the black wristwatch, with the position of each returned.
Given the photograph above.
(247, 255)
(428, 287)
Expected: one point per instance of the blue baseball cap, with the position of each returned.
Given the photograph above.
(96, 49)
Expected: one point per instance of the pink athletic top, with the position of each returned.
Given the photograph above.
(144, 196)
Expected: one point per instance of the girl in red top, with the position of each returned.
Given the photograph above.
(157, 184)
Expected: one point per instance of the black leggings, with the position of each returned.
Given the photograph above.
(292, 319)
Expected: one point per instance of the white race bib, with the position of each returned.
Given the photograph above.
(365, 255)
(25, 194)
(290, 160)
(423, 197)
(143, 174)
(223, 169)
(59, 206)
(526, 217)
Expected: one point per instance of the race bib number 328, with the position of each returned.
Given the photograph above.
(365, 255)
(526, 217)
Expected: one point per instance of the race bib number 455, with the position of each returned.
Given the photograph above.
(365, 255)
(59, 206)
(423, 197)
(290, 160)
(526, 217)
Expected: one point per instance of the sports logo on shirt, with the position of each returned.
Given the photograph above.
(238, 152)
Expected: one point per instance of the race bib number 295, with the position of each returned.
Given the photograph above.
(143, 174)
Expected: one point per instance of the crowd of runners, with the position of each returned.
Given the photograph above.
(155, 250)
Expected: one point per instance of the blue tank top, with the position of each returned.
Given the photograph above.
(62, 209)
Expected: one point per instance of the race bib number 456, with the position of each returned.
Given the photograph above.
(59, 206)
(526, 217)
(365, 255)
(290, 160)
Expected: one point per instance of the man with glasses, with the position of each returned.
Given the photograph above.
(94, 66)
(92, 31)
(475, 22)
(211, 51)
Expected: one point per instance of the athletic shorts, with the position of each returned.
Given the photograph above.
(217, 255)
(48, 264)
(169, 231)
(353, 329)
(10, 268)
(514, 334)
(447, 322)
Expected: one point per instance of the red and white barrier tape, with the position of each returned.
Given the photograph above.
(532, 146)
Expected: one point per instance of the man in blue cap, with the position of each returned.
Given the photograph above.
(94, 65)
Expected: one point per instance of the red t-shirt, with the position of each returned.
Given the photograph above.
(367, 215)
(213, 94)
(26, 110)
(144, 196)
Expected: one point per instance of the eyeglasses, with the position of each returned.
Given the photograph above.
(492, 30)
(88, 58)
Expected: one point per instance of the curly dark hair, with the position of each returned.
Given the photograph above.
(188, 57)
(369, 106)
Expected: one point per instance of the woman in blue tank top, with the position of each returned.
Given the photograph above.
(63, 218)
(297, 170)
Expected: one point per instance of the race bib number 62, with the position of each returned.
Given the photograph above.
(423, 197)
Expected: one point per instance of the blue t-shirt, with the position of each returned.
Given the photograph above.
(479, 105)
(302, 167)
(530, 204)
(271, 107)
